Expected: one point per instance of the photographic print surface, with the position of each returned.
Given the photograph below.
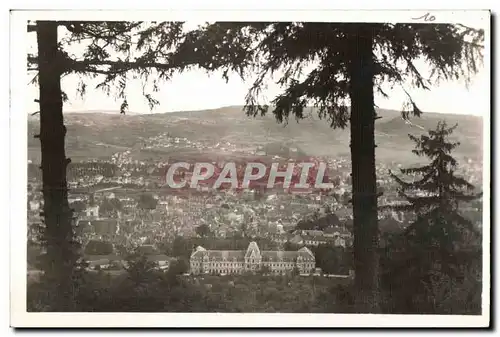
(180, 168)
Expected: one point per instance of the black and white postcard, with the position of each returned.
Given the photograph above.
(250, 168)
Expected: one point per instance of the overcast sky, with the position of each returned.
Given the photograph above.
(196, 90)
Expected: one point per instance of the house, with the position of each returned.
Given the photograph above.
(251, 260)
(34, 205)
(313, 240)
(83, 226)
(340, 242)
(92, 211)
(162, 260)
(309, 232)
(147, 250)
(103, 261)
(281, 238)
(333, 232)
(75, 199)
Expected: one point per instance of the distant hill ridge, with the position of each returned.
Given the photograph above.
(238, 108)
(100, 134)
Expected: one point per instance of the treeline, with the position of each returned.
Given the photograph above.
(182, 247)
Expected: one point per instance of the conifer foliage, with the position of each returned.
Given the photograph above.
(440, 243)
(438, 194)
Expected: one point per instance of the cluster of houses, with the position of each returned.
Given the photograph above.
(332, 236)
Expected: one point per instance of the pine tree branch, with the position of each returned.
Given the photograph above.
(116, 67)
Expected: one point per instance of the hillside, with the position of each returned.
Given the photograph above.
(99, 135)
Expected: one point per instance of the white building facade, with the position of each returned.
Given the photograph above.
(204, 261)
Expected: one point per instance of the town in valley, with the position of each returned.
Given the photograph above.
(121, 204)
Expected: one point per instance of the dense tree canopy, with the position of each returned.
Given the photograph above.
(264, 48)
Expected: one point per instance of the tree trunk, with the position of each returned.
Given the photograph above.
(58, 234)
(364, 187)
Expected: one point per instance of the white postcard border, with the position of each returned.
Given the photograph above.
(18, 183)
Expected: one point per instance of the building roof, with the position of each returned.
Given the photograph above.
(337, 229)
(305, 250)
(313, 238)
(110, 257)
(331, 230)
(83, 223)
(239, 255)
(229, 255)
(104, 222)
(147, 250)
(286, 256)
(312, 232)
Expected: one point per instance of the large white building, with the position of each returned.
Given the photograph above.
(204, 261)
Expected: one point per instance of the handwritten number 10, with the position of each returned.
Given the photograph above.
(427, 17)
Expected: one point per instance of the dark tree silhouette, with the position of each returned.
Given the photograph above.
(140, 270)
(437, 196)
(333, 260)
(108, 56)
(440, 242)
(58, 234)
(177, 268)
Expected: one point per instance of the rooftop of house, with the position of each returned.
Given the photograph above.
(147, 250)
(159, 257)
(103, 222)
(109, 257)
